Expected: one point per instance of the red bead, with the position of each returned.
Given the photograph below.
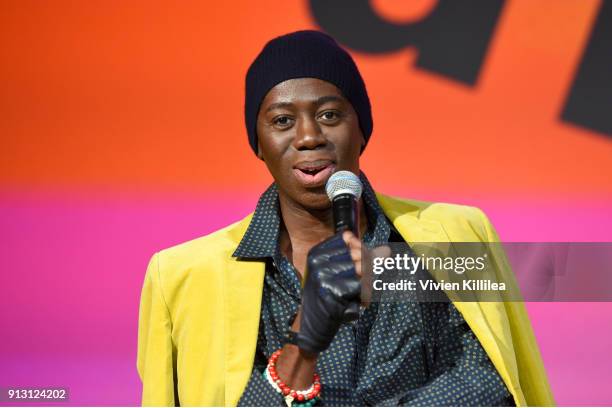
(274, 377)
(294, 394)
(317, 387)
(286, 390)
(282, 384)
(300, 397)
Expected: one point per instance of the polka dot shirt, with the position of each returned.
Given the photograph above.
(395, 354)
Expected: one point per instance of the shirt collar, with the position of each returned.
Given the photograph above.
(261, 237)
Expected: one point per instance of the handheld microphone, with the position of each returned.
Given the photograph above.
(344, 190)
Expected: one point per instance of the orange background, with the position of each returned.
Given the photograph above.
(122, 133)
(148, 96)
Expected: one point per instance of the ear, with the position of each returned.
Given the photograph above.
(363, 142)
(259, 155)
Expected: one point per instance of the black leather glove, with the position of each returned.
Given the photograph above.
(331, 294)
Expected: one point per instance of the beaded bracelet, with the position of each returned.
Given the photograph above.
(302, 398)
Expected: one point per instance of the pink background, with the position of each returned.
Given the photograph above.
(74, 268)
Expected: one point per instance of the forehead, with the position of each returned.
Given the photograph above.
(300, 90)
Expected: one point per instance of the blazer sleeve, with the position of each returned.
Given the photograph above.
(155, 359)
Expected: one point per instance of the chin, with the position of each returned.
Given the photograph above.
(315, 200)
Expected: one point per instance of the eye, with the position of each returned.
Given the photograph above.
(330, 116)
(282, 121)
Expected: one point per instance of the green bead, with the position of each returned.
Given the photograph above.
(306, 404)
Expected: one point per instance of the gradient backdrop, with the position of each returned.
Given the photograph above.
(122, 133)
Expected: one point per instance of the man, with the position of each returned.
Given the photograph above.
(229, 319)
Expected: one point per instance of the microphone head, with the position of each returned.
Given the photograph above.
(343, 182)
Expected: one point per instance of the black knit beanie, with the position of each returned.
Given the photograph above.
(304, 54)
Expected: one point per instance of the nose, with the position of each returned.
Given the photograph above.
(308, 134)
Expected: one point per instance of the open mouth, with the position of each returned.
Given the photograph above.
(314, 173)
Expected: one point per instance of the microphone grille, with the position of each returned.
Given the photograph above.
(343, 182)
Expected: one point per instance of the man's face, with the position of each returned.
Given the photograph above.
(307, 131)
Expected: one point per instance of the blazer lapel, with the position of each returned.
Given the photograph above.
(243, 290)
(488, 320)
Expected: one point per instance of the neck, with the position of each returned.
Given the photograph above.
(307, 227)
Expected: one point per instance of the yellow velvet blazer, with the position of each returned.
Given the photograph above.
(200, 310)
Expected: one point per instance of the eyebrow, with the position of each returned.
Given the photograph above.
(329, 98)
(320, 101)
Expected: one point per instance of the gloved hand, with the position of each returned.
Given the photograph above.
(331, 295)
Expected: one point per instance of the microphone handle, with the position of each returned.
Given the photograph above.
(346, 216)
